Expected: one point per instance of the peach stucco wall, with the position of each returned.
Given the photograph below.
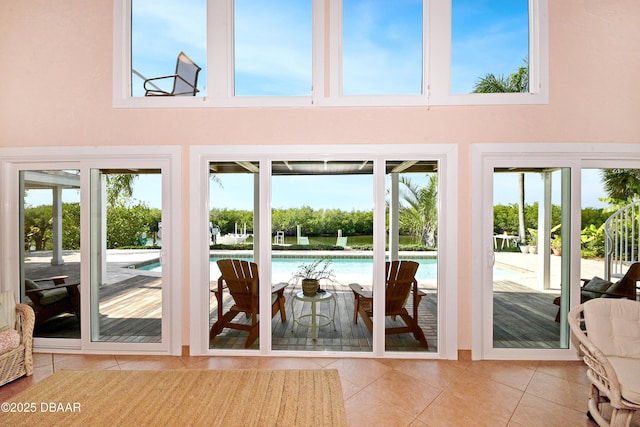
(56, 90)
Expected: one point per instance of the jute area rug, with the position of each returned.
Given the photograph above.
(181, 397)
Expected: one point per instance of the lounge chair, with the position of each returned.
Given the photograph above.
(400, 280)
(600, 288)
(184, 81)
(303, 240)
(341, 241)
(53, 299)
(610, 345)
(240, 278)
(16, 345)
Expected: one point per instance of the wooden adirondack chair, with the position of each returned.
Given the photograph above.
(400, 278)
(240, 278)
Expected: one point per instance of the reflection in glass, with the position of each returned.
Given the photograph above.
(232, 233)
(382, 47)
(322, 228)
(50, 229)
(272, 42)
(489, 43)
(412, 297)
(160, 30)
(531, 218)
(126, 239)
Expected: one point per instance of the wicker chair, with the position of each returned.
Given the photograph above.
(610, 343)
(17, 362)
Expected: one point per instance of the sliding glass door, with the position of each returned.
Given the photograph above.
(531, 244)
(50, 262)
(127, 265)
(273, 222)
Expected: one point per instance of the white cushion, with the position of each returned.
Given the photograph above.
(613, 325)
(628, 372)
(8, 306)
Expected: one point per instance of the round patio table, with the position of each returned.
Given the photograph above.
(314, 315)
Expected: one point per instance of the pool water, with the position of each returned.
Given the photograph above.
(346, 270)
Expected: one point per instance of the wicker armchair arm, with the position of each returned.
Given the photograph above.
(25, 322)
(600, 372)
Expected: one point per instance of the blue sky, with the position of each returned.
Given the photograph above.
(329, 192)
(382, 43)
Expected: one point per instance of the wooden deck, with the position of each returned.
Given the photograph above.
(130, 311)
(346, 336)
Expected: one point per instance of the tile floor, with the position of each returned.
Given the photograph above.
(395, 392)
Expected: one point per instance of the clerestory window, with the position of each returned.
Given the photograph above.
(329, 52)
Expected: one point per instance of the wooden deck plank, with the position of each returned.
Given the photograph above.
(523, 318)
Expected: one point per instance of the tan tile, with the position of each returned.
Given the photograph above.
(472, 400)
(418, 423)
(409, 394)
(533, 411)
(366, 410)
(132, 363)
(439, 373)
(575, 371)
(42, 359)
(288, 363)
(360, 372)
(514, 374)
(559, 391)
(83, 361)
(223, 362)
(348, 389)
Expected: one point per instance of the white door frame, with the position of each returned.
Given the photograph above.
(446, 154)
(167, 158)
(485, 157)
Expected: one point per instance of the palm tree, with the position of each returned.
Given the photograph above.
(516, 82)
(622, 185)
(119, 186)
(419, 214)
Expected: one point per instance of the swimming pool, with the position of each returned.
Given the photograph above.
(345, 269)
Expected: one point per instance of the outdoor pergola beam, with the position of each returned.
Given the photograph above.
(404, 166)
(249, 166)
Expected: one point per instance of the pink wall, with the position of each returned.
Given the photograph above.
(56, 85)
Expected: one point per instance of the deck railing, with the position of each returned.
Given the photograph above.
(622, 240)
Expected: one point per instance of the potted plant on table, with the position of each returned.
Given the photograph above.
(310, 275)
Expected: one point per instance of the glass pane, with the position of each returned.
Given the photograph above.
(272, 47)
(531, 218)
(382, 47)
(412, 295)
(489, 46)
(50, 218)
(126, 272)
(610, 229)
(232, 186)
(160, 30)
(322, 217)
